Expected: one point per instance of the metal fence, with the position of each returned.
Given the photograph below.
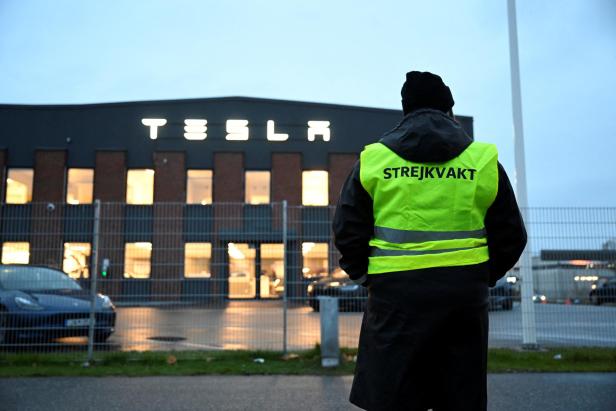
(174, 276)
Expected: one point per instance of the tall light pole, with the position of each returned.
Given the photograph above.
(529, 334)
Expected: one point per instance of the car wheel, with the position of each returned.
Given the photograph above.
(315, 305)
(595, 300)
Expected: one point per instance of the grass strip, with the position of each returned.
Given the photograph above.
(139, 364)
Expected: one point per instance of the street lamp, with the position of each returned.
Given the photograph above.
(529, 335)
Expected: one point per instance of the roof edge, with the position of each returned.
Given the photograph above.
(195, 100)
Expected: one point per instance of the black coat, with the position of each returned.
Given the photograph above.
(423, 341)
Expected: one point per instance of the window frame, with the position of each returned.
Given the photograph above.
(304, 203)
(3, 245)
(86, 273)
(269, 186)
(126, 246)
(147, 170)
(209, 268)
(68, 174)
(29, 192)
(188, 170)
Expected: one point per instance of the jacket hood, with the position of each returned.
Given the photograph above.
(427, 136)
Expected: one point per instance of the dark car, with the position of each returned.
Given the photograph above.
(604, 293)
(501, 295)
(351, 297)
(41, 303)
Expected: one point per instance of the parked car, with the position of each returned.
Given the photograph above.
(352, 297)
(501, 295)
(540, 298)
(41, 303)
(604, 293)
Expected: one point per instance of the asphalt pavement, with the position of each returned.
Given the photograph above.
(507, 392)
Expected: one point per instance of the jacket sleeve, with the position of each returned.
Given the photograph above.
(353, 226)
(505, 229)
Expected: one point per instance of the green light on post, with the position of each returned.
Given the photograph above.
(105, 267)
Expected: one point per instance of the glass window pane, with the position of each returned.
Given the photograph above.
(199, 187)
(316, 263)
(197, 260)
(19, 185)
(137, 260)
(16, 253)
(140, 186)
(315, 190)
(76, 261)
(80, 185)
(242, 283)
(257, 190)
(272, 270)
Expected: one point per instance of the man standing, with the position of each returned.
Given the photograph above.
(427, 221)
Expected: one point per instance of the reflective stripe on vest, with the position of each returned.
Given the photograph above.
(429, 215)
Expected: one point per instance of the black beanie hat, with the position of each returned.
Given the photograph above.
(425, 90)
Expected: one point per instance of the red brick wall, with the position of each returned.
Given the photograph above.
(49, 176)
(169, 177)
(228, 187)
(110, 186)
(167, 241)
(47, 229)
(340, 165)
(228, 177)
(110, 176)
(286, 181)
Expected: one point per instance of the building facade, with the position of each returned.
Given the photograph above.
(192, 191)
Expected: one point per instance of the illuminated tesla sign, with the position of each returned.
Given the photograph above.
(237, 129)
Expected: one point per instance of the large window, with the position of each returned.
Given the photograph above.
(316, 263)
(16, 253)
(140, 186)
(315, 188)
(271, 281)
(257, 190)
(197, 260)
(79, 185)
(242, 281)
(76, 261)
(199, 187)
(19, 185)
(137, 260)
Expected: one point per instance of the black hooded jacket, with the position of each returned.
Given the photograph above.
(423, 136)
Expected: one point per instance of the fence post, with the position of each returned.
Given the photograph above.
(93, 277)
(330, 345)
(529, 325)
(286, 274)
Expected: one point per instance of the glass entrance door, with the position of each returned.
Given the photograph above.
(242, 269)
(271, 280)
(245, 260)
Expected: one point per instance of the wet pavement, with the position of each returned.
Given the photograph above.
(259, 325)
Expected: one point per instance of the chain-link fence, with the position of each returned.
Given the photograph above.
(173, 276)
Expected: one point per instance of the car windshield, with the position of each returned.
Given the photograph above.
(35, 279)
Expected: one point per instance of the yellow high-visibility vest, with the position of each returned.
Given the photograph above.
(429, 214)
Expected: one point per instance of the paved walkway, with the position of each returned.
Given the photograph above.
(507, 392)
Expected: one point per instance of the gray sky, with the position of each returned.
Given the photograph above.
(348, 52)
